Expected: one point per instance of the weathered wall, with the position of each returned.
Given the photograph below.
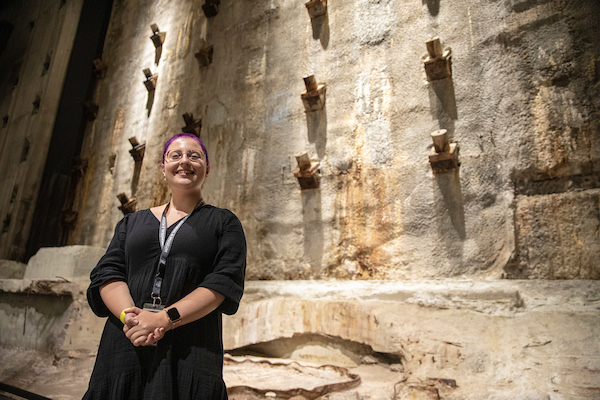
(43, 309)
(523, 106)
(520, 106)
(33, 67)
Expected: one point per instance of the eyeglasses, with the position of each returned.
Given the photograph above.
(176, 155)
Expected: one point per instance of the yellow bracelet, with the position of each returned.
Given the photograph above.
(123, 315)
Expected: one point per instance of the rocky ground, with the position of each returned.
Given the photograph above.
(66, 378)
(432, 340)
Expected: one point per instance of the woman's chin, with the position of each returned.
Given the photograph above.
(186, 183)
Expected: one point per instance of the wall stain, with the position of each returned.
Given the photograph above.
(362, 211)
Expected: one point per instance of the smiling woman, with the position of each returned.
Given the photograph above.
(164, 282)
(185, 158)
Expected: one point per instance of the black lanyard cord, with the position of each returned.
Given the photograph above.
(166, 248)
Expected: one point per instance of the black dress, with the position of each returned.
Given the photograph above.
(208, 251)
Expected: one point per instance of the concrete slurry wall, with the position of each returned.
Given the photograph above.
(43, 305)
(522, 106)
(33, 65)
(36, 314)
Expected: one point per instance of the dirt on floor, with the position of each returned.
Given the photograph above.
(66, 377)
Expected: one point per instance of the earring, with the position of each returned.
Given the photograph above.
(164, 177)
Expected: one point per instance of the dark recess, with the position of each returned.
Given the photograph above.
(6, 29)
(65, 146)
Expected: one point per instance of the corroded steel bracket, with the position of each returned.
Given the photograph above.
(438, 64)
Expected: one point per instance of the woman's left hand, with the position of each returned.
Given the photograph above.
(150, 328)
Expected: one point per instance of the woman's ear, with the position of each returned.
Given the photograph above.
(207, 169)
(162, 168)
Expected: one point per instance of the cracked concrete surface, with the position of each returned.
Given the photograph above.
(455, 339)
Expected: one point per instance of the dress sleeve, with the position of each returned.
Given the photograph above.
(111, 267)
(227, 276)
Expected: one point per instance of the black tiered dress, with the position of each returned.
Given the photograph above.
(208, 251)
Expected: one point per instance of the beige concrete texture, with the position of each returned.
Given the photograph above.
(520, 106)
(69, 263)
(45, 309)
(36, 315)
(544, 223)
(386, 269)
(462, 339)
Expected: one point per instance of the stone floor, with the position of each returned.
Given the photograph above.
(66, 378)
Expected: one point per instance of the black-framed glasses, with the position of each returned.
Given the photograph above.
(177, 155)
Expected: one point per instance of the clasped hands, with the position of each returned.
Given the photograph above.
(143, 327)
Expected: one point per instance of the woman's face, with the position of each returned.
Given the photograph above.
(185, 165)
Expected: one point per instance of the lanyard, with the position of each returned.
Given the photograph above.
(166, 249)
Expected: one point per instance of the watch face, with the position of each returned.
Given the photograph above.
(173, 314)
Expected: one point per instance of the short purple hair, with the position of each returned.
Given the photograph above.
(185, 135)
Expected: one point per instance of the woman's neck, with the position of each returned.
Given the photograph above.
(184, 203)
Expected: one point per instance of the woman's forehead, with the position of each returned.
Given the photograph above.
(185, 143)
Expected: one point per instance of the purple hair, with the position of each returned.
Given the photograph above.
(185, 135)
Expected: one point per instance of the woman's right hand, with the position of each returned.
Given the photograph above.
(131, 321)
(131, 318)
(141, 335)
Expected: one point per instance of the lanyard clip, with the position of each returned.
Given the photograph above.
(155, 298)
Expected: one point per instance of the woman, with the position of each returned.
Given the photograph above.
(163, 338)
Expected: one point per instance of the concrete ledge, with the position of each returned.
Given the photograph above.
(521, 339)
(45, 287)
(72, 263)
(42, 315)
(502, 297)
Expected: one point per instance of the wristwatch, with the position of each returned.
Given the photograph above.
(173, 315)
